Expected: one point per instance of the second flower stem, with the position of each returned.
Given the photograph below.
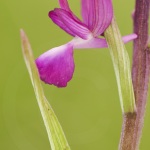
(121, 65)
(140, 67)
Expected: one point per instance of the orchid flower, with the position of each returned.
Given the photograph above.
(56, 66)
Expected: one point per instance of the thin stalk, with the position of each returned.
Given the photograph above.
(140, 67)
(127, 134)
(133, 123)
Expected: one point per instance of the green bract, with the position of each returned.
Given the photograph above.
(55, 133)
(121, 65)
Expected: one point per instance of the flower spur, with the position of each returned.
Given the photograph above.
(56, 66)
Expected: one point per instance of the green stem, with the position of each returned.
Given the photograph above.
(121, 65)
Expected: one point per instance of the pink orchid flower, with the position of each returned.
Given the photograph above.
(56, 66)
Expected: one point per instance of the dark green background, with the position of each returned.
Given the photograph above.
(88, 109)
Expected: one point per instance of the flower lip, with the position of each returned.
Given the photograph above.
(56, 66)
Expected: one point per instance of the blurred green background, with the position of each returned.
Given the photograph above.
(88, 109)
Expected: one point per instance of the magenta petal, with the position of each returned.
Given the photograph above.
(56, 66)
(97, 15)
(73, 24)
(92, 43)
(64, 5)
(85, 11)
(129, 38)
(55, 18)
(99, 42)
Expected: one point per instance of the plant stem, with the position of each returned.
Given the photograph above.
(127, 134)
(121, 64)
(133, 124)
(140, 67)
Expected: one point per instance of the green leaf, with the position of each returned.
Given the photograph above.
(55, 133)
(121, 65)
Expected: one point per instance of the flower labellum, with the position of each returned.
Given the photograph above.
(56, 66)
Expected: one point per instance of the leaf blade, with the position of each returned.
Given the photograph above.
(54, 130)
